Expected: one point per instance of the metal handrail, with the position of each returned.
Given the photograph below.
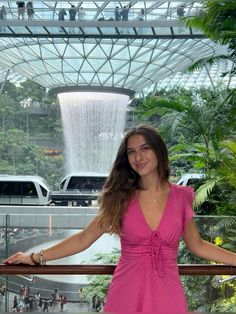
(220, 281)
(184, 269)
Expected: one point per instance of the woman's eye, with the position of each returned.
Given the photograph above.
(130, 152)
(145, 148)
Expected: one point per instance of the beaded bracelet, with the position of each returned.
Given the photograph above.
(32, 259)
(42, 261)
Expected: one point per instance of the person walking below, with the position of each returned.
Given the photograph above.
(15, 304)
(150, 214)
(37, 298)
(98, 305)
(64, 301)
(40, 304)
(45, 306)
(1, 300)
(61, 302)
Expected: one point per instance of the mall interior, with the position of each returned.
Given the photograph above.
(101, 60)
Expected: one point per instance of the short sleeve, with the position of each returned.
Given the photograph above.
(188, 212)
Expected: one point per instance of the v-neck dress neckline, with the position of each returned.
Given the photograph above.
(162, 215)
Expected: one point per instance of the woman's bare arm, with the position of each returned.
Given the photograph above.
(205, 249)
(76, 243)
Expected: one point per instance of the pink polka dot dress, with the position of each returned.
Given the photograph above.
(146, 278)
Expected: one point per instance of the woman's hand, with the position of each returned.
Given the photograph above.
(19, 258)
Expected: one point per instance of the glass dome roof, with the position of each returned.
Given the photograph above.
(100, 51)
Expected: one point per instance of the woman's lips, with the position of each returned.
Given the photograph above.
(140, 166)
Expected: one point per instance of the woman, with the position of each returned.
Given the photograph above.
(150, 215)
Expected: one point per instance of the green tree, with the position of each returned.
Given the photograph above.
(198, 126)
(13, 145)
(9, 89)
(29, 115)
(192, 117)
(218, 22)
(52, 170)
(32, 91)
(98, 284)
(7, 107)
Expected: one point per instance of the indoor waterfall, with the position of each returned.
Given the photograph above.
(93, 124)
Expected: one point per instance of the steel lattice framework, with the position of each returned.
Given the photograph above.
(100, 52)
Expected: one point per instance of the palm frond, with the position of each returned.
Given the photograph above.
(217, 22)
(179, 156)
(232, 231)
(159, 106)
(170, 122)
(226, 222)
(207, 61)
(203, 191)
(193, 21)
(231, 72)
(170, 104)
(179, 147)
(230, 145)
(229, 246)
(232, 239)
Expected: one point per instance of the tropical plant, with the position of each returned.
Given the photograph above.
(195, 287)
(200, 128)
(190, 118)
(218, 21)
(227, 227)
(22, 130)
(204, 293)
(226, 300)
(98, 284)
(221, 174)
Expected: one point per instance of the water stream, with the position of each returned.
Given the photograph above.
(93, 124)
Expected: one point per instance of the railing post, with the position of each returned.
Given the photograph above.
(7, 239)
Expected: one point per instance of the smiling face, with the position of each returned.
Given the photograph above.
(141, 157)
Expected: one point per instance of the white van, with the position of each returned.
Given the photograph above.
(83, 182)
(24, 190)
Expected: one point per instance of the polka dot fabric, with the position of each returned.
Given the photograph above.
(146, 278)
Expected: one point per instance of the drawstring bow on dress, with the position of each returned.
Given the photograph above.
(156, 253)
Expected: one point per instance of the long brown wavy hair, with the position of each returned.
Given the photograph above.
(123, 181)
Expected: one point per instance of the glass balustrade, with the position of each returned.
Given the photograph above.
(104, 10)
(32, 232)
